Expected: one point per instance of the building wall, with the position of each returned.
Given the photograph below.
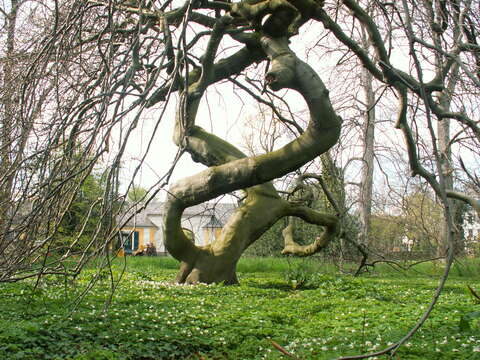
(144, 234)
(471, 229)
(139, 230)
(158, 236)
(193, 223)
(152, 232)
(471, 224)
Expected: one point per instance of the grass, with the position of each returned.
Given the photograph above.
(245, 265)
(302, 305)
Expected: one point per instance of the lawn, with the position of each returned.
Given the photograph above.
(304, 306)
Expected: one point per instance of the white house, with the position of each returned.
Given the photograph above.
(146, 226)
(471, 228)
(471, 225)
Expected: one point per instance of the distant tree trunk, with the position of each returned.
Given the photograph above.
(334, 179)
(444, 138)
(438, 15)
(8, 115)
(368, 139)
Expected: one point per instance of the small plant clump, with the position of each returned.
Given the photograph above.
(328, 316)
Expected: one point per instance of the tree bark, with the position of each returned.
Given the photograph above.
(366, 188)
(443, 130)
(368, 139)
(7, 120)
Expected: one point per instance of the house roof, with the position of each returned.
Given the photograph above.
(136, 217)
(221, 211)
(213, 223)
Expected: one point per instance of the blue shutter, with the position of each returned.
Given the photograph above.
(135, 241)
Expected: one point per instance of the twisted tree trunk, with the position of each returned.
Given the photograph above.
(230, 170)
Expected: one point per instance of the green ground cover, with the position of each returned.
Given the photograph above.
(304, 306)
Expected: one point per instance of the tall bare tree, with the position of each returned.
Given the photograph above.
(8, 106)
(366, 188)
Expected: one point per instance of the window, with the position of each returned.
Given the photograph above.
(129, 241)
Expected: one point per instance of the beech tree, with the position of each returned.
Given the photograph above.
(110, 61)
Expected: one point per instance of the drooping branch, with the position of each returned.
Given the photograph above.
(363, 55)
(402, 124)
(340, 217)
(222, 70)
(375, 37)
(465, 198)
(301, 198)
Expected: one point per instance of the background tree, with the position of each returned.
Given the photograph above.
(387, 233)
(368, 138)
(76, 227)
(422, 215)
(137, 194)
